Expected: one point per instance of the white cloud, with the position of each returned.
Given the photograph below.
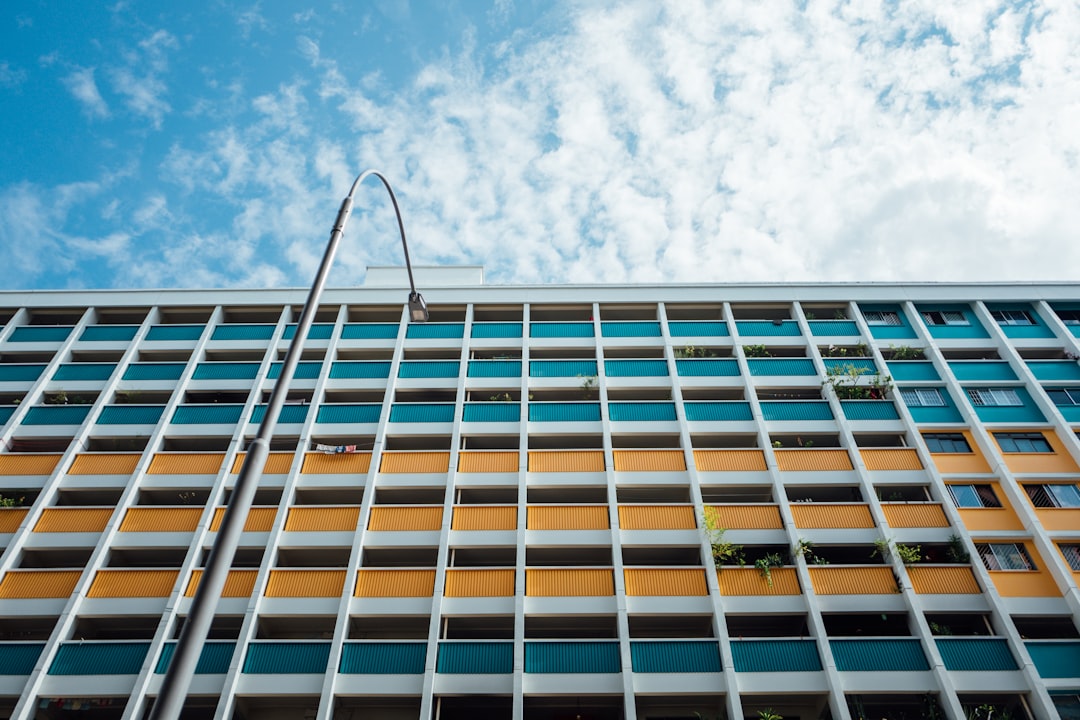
(139, 79)
(83, 88)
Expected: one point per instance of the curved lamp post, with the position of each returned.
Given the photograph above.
(174, 685)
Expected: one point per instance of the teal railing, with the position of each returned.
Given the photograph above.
(718, 411)
(795, 410)
(781, 366)
(707, 367)
(564, 412)
(19, 658)
(243, 332)
(130, 414)
(562, 368)
(775, 656)
(265, 658)
(207, 414)
(435, 331)
(76, 372)
(105, 333)
(56, 415)
(869, 410)
(982, 370)
(561, 329)
(912, 370)
(636, 368)
(642, 412)
(698, 328)
(348, 414)
(308, 370)
(496, 330)
(369, 331)
(318, 331)
(290, 414)
(383, 658)
(767, 328)
(33, 333)
(975, 654)
(1055, 658)
(99, 658)
(213, 660)
(630, 329)
(154, 371)
(360, 370)
(20, 373)
(475, 658)
(492, 412)
(834, 328)
(572, 657)
(686, 656)
(494, 368)
(165, 333)
(878, 655)
(225, 371)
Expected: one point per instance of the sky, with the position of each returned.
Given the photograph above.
(209, 143)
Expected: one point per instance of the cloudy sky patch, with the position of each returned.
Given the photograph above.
(573, 141)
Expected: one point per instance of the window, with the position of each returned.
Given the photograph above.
(1069, 317)
(1012, 317)
(1060, 496)
(1001, 397)
(945, 317)
(1064, 396)
(1004, 556)
(1072, 556)
(922, 397)
(974, 496)
(946, 443)
(882, 317)
(1023, 443)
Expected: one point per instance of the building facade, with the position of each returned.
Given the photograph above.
(678, 501)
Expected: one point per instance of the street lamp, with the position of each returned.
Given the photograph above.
(174, 685)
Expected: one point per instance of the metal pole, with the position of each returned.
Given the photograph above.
(175, 684)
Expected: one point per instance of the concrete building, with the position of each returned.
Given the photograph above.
(670, 501)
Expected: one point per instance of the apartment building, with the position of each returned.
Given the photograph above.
(678, 501)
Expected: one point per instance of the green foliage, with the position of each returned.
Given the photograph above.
(940, 629)
(765, 565)
(769, 715)
(756, 351)
(689, 351)
(908, 554)
(805, 549)
(956, 552)
(904, 352)
(501, 397)
(7, 502)
(588, 386)
(723, 551)
(834, 351)
(844, 381)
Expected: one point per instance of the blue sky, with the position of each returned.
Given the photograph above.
(208, 144)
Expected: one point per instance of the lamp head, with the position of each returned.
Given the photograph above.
(418, 312)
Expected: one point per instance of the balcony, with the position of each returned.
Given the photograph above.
(630, 329)
(435, 331)
(304, 371)
(130, 414)
(831, 515)
(322, 519)
(222, 414)
(642, 412)
(572, 657)
(983, 654)
(99, 658)
(561, 330)
(878, 655)
(707, 367)
(767, 328)
(657, 517)
(475, 658)
(265, 657)
(796, 411)
(768, 367)
(318, 331)
(914, 514)
(869, 410)
(213, 660)
(745, 581)
(912, 370)
(675, 656)
(564, 412)
(23, 373)
(497, 582)
(154, 371)
(833, 328)
(38, 584)
(83, 372)
(1054, 370)
(697, 328)
(853, 580)
(745, 516)
(40, 334)
(243, 332)
(718, 411)
(132, 583)
(73, 519)
(289, 583)
(380, 583)
(359, 370)
(665, 582)
(27, 464)
(729, 460)
(225, 371)
(494, 368)
(382, 658)
(982, 370)
(56, 415)
(775, 656)
(649, 460)
(562, 368)
(493, 412)
(569, 582)
(19, 658)
(566, 461)
(428, 369)
(173, 333)
(370, 331)
(567, 517)
(805, 460)
(161, 519)
(1055, 658)
(636, 368)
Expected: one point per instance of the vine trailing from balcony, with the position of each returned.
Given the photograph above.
(766, 564)
(844, 381)
(805, 550)
(724, 552)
